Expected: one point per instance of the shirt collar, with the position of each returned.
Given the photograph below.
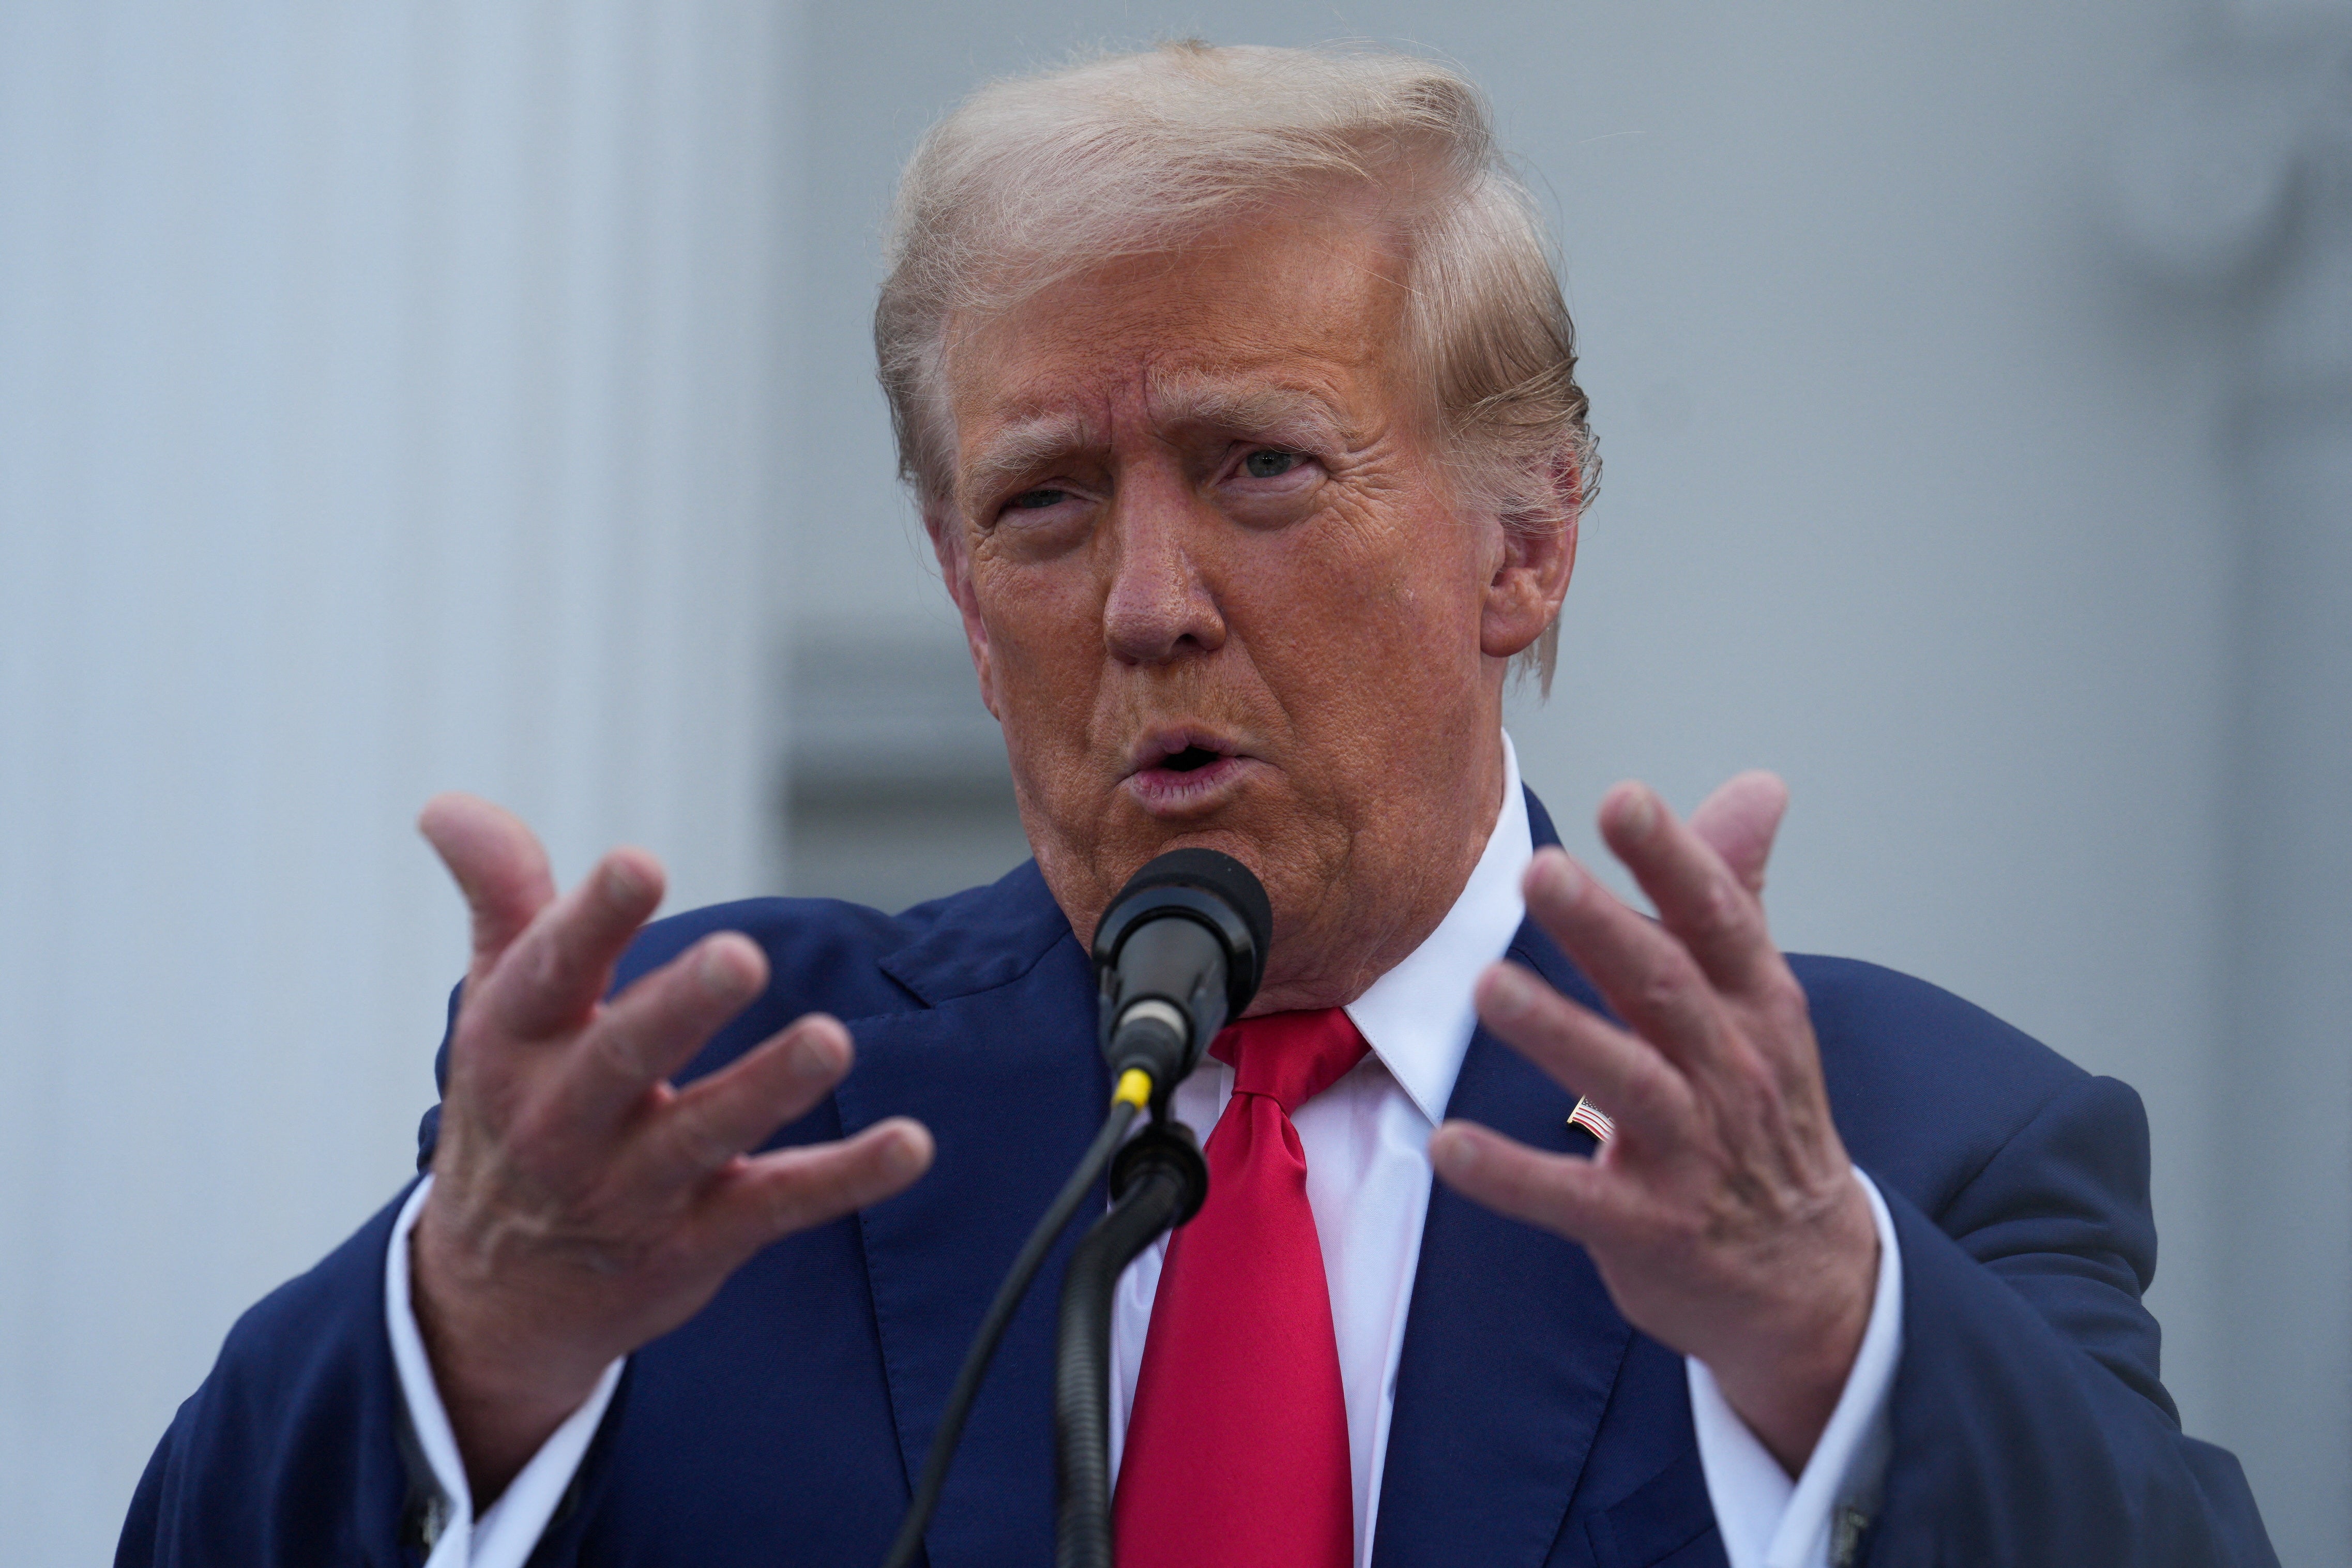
(1418, 1017)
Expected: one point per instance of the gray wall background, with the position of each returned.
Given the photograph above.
(388, 403)
(404, 397)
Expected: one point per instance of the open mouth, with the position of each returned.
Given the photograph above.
(1192, 759)
(1179, 774)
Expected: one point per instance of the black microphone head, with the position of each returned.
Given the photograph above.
(1235, 905)
(1179, 952)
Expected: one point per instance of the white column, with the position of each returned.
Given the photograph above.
(390, 401)
(2237, 185)
(2285, 1055)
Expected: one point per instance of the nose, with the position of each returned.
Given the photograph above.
(1159, 606)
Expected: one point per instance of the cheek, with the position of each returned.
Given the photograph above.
(1044, 645)
(1403, 592)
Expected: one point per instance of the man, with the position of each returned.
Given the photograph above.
(1238, 395)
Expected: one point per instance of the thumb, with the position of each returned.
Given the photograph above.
(1738, 822)
(498, 863)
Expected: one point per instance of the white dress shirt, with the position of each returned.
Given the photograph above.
(1366, 1140)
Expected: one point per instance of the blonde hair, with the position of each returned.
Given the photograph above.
(1036, 178)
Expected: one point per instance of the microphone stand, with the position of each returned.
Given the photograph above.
(1158, 1181)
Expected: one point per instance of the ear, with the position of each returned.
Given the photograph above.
(1530, 578)
(941, 521)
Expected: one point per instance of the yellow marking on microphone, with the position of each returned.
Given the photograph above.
(1134, 1089)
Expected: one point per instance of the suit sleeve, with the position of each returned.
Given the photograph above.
(293, 1451)
(2029, 1426)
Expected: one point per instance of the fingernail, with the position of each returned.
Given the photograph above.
(1453, 1153)
(1639, 814)
(1508, 993)
(1558, 877)
(623, 888)
(905, 1156)
(815, 1058)
(718, 970)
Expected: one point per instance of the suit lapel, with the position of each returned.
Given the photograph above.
(1512, 1344)
(1002, 1069)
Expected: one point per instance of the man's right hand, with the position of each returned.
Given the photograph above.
(582, 1205)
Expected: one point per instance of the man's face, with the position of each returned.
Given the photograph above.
(1219, 593)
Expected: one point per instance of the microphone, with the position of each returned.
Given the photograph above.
(1179, 952)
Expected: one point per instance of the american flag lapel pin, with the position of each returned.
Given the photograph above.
(1589, 1117)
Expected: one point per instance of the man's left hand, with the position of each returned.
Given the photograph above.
(1723, 1214)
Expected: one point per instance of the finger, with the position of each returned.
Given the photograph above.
(1584, 1052)
(552, 974)
(1698, 897)
(1644, 972)
(770, 1195)
(497, 862)
(1579, 1198)
(1740, 821)
(719, 1116)
(653, 1029)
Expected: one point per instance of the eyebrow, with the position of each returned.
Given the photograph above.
(1274, 412)
(1260, 409)
(1021, 447)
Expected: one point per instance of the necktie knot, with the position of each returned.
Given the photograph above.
(1290, 1058)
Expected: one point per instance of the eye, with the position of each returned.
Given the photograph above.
(1270, 462)
(1036, 500)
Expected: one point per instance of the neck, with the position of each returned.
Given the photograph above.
(1392, 893)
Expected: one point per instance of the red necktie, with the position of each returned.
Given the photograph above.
(1236, 1451)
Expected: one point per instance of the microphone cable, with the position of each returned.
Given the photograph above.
(1133, 1092)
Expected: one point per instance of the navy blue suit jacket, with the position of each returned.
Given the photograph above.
(1533, 1425)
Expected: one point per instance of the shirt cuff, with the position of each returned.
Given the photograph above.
(1767, 1520)
(507, 1532)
